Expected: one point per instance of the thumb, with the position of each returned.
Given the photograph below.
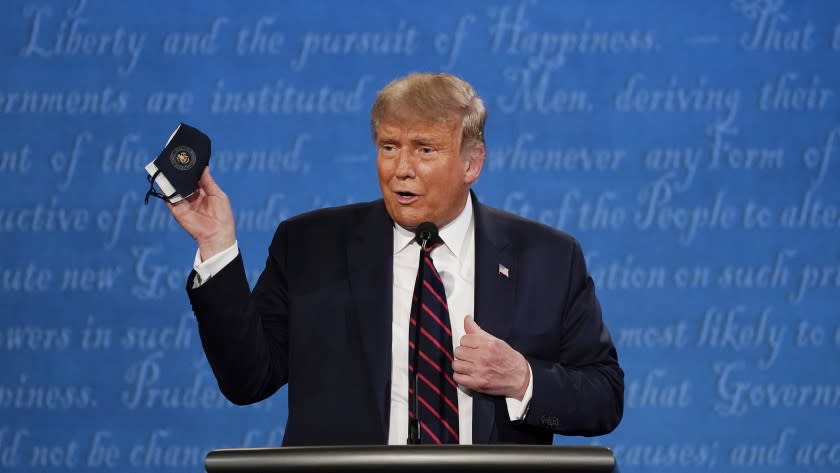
(470, 326)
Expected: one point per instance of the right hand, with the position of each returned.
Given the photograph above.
(207, 216)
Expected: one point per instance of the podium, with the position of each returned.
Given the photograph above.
(413, 459)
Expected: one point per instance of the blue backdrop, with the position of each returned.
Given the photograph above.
(693, 147)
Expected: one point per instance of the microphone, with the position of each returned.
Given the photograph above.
(426, 232)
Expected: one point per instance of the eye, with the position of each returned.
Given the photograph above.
(426, 150)
(388, 148)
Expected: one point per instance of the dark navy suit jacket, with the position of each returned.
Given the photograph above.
(319, 319)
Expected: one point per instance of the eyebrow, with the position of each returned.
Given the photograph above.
(422, 140)
(415, 140)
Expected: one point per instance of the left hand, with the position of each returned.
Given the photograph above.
(488, 365)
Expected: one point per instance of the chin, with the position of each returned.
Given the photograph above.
(406, 221)
(408, 224)
(408, 217)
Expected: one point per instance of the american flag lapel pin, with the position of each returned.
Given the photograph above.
(504, 271)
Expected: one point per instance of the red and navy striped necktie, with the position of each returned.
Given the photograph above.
(430, 360)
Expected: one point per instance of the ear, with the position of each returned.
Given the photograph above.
(473, 162)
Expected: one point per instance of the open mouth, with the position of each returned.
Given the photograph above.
(406, 197)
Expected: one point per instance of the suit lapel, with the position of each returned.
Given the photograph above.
(370, 262)
(494, 303)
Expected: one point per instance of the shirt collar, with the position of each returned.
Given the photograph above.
(452, 234)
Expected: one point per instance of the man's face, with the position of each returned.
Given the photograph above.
(422, 174)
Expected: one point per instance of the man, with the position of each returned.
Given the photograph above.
(329, 315)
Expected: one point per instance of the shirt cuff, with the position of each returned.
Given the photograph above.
(517, 410)
(204, 270)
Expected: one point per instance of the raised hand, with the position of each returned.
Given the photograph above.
(207, 216)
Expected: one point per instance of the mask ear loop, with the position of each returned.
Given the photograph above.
(152, 192)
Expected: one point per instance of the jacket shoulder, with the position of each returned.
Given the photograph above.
(341, 216)
(524, 232)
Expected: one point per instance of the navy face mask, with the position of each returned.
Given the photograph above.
(178, 167)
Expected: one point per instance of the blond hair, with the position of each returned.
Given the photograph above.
(431, 97)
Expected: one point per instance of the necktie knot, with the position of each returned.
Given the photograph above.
(433, 243)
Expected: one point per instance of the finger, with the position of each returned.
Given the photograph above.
(470, 326)
(461, 366)
(467, 381)
(206, 181)
(192, 198)
(196, 199)
(466, 354)
(178, 208)
(462, 379)
(471, 341)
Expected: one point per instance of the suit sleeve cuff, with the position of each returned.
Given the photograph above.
(517, 410)
(204, 270)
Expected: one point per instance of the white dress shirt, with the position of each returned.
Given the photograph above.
(455, 261)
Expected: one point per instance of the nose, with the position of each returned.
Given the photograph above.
(405, 169)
